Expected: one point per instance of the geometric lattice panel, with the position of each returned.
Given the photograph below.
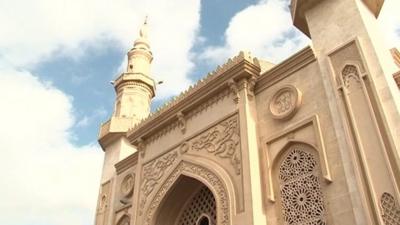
(391, 211)
(202, 203)
(300, 189)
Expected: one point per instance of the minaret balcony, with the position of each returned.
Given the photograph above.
(113, 129)
(135, 77)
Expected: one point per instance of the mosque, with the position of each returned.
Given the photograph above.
(313, 140)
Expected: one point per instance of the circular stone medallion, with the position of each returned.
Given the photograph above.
(285, 102)
(127, 185)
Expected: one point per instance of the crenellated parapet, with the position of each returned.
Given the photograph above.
(244, 65)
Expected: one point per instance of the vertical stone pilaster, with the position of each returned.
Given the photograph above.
(250, 152)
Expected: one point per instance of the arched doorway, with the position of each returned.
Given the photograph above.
(189, 202)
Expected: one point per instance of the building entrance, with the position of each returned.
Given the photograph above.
(189, 202)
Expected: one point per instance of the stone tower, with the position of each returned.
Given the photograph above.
(357, 70)
(135, 87)
(134, 90)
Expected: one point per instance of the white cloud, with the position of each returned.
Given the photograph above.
(34, 31)
(265, 29)
(390, 22)
(46, 179)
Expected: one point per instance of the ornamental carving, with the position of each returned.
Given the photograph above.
(223, 217)
(184, 147)
(141, 147)
(181, 122)
(233, 87)
(350, 74)
(222, 141)
(285, 102)
(390, 209)
(127, 185)
(102, 203)
(152, 173)
(301, 196)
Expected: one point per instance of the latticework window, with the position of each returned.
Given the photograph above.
(350, 72)
(391, 211)
(203, 203)
(301, 195)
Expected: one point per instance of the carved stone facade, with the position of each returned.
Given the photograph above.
(312, 140)
(285, 102)
(221, 141)
(152, 173)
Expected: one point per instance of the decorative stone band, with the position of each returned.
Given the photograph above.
(152, 173)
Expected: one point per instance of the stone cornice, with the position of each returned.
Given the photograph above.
(285, 68)
(113, 129)
(126, 163)
(236, 68)
(298, 10)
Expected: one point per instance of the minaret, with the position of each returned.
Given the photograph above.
(135, 88)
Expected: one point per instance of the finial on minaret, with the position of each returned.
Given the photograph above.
(143, 30)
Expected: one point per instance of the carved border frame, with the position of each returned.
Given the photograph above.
(208, 177)
(320, 148)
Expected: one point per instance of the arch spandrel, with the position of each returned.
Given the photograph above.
(218, 183)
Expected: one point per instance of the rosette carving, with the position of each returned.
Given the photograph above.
(285, 102)
(127, 185)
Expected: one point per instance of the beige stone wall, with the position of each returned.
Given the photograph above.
(311, 124)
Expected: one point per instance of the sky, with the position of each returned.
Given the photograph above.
(57, 58)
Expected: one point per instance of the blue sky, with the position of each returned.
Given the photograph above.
(57, 59)
(87, 78)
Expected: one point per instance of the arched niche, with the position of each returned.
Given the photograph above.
(187, 172)
(188, 202)
(273, 163)
(298, 185)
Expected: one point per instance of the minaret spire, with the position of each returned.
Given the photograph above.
(135, 88)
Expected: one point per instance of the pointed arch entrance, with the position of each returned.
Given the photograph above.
(189, 202)
(171, 201)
